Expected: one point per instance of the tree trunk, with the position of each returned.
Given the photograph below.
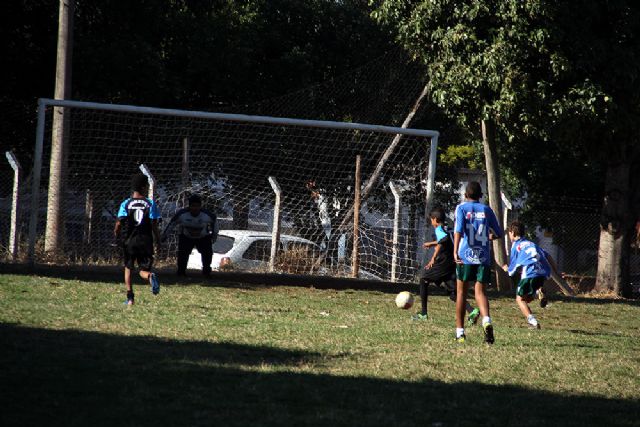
(495, 201)
(59, 139)
(616, 229)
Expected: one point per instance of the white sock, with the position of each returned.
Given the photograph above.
(532, 320)
(459, 332)
(486, 320)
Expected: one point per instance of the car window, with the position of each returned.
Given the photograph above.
(223, 244)
(260, 250)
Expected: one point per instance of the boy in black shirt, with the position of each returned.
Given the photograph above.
(139, 216)
(441, 267)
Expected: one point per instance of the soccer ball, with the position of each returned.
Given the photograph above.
(404, 300)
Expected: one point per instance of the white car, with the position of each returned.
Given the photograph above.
(251, 250)
(247, 250)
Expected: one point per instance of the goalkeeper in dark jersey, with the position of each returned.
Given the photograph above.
(139, 217)
(197, 228)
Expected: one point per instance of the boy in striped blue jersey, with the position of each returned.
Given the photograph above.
(536, 265)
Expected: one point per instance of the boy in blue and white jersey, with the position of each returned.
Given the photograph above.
(138, 216)
(475, 226)
(536, 265)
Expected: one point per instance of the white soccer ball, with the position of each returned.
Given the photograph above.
(404, 300)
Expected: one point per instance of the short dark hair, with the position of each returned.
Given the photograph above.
(517, 228)
(139, 183)
(438, 214)
(195, 199)
(473, 190)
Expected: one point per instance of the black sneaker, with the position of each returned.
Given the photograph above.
(488, 333)
(130, 298)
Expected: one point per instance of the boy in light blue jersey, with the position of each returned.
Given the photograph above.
(475, 226)
(536, 265)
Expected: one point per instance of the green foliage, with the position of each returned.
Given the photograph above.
(559, 79)
(465, 156)
(486, 59)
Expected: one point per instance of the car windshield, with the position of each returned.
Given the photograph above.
(223, 244)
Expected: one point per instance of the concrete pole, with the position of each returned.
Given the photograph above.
(152, 182)
(275, 231)
(396, 226)
(15, 204)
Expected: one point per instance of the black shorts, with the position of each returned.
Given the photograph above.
(437, 274)
(139, 249)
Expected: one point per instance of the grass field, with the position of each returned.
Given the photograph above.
(223, 354)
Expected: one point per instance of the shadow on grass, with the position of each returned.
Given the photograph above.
(70, 378)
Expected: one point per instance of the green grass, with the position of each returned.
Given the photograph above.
(72, 354)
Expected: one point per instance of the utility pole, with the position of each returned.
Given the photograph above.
(60, 132)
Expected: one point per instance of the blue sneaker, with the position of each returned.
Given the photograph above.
(155, 284)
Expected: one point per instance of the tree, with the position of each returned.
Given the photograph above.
(601, 43)
(560, 71)
(485, 60)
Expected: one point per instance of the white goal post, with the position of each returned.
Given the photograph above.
(228, 158)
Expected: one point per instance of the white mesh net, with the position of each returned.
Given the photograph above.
(228, 163)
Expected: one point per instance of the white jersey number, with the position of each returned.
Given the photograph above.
(479, 236)
(139, 216)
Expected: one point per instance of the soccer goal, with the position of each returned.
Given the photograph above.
(233, 161)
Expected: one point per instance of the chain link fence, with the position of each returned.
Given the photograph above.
(571, 235)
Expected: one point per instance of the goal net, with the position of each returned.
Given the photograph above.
(228, 159)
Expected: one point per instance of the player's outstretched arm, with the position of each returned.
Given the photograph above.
(429, 244)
